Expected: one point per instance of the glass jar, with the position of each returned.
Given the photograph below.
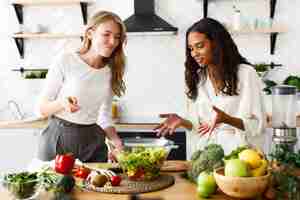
(115, 110)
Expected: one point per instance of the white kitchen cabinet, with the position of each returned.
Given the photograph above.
(17, 148)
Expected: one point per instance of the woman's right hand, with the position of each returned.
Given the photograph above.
(70, 104)
(172, 122)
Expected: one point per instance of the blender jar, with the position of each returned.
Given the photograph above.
(284, 104)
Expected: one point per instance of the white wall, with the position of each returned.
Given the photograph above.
(154, 76)
(17, 148)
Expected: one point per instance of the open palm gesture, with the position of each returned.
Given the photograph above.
(172, 122)
(218, 117)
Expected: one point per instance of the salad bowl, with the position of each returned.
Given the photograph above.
(142, 158)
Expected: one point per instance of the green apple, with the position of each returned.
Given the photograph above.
(206, 184)
(236, 167)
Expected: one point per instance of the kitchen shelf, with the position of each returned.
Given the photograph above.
(21, 69)
(274, 31)
(46, 35)
(19, 38)
(273, 34)
(272, 8)
(46, 2)
(36, 73)
(18, 6)
(259, 30)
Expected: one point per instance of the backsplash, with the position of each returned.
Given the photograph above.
(155, 71)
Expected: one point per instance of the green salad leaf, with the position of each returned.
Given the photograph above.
(147, 159)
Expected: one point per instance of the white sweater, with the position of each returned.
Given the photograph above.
(68, 76)
(248, 106)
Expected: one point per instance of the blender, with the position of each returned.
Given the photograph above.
(284, 110)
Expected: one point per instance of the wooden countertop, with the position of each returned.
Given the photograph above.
(181, 190)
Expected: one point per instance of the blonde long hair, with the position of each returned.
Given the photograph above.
(117, 60)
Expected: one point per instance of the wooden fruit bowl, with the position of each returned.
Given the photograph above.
(241, 187)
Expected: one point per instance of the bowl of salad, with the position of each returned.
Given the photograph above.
(142, 158)
(21, 185)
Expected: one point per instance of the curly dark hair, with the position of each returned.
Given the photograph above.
(226, 58)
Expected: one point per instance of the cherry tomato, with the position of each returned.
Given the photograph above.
(64, 163)
(136, 175)
(115, 180)
(82, 172)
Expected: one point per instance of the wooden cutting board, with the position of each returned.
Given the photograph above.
(175, 166)
(132, 187)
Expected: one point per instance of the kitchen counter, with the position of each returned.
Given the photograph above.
(181, 190)
(40, 123)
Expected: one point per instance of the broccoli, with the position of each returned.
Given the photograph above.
(207, 160)
(196, 155)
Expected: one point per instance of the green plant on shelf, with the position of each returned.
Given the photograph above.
(290, 80)
(40, 74)
(262, 70)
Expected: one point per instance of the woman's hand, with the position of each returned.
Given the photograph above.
(114, 148)
(203, 128)
(113, 142)
(218, 117)
(70, 104)
(172, 122)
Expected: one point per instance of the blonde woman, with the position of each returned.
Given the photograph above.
(78, 93)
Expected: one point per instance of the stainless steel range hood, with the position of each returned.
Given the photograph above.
(144, 20)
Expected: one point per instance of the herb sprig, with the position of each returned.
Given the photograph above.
(285, 183)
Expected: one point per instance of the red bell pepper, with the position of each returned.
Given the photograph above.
(82, 172)
(64, 163)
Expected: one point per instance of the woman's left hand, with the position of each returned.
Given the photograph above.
(218, 117)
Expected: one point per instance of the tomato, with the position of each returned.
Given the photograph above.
(64, 163)
(136, 175)
(82, 172)
(115, 180)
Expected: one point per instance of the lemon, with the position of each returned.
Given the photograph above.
(261, 170)
(251, 157)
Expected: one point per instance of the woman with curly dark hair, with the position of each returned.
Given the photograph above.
(224, 92)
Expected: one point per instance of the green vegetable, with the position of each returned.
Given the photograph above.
(58, 184)
(293, 81)
(284, 155)
(261, 67)
(235, 153)
(22, 185)
(41, 74)
(207, 159)
(285, 183)
(142, 161)
(269, 85)
(65, 183)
